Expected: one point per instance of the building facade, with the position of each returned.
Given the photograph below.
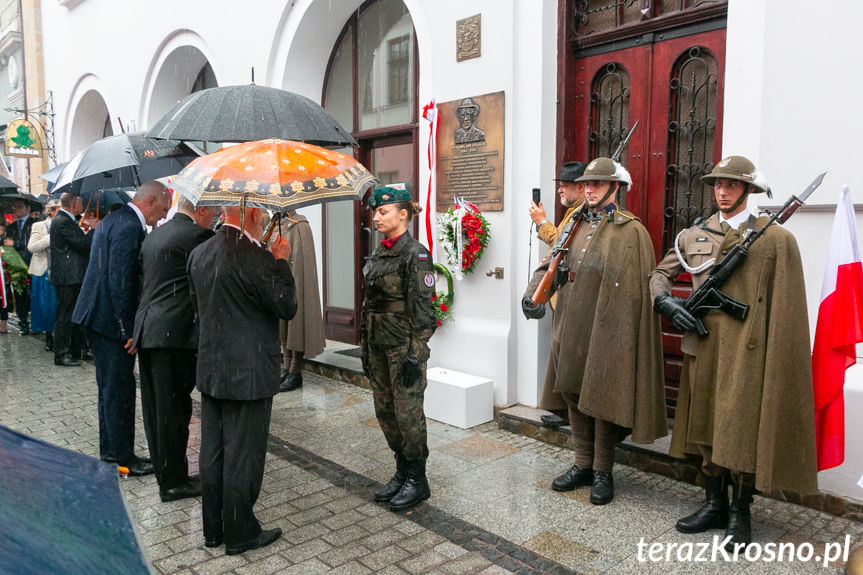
(706, 79)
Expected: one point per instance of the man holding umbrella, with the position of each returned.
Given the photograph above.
(240, 291)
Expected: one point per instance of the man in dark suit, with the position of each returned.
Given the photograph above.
(240, 291)
(70, 252)
(106, 308)
(19, 232)
(166, 336)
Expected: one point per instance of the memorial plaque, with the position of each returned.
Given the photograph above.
(470, 149)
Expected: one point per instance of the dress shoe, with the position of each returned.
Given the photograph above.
(190, 488)
(214, 542)
(553, 421)
(602, 491)
(283, 375)
(24, 328)
(66, 361)
(292, 382)
(87, 356)
(138, 467)
(263, 539)
(572, 478)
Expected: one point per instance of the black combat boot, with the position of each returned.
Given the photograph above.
(389, 490)
(572, 478)
(602, 491)
(415, 488)
(713, 514)
(739, 524)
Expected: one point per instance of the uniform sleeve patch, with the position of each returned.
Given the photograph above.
(428, 280)
(422, 257)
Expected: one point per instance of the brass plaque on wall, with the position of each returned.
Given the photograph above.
(468, 38)
(470, 148)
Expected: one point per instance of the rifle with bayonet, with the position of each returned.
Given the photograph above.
(708, 296)
(561, 246)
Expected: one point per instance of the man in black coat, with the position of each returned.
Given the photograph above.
(166, 336)
(106, 307)
(70, 252)
(240, 291)
(19, 232)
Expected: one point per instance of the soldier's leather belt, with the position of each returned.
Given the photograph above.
(387, 306)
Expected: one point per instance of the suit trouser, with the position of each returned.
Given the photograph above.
(233, 451)
(167, 380)
(22, 307)
(115, 378)
(593, 439)
(68, 337)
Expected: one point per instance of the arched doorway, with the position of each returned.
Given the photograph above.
(371, 89)
(185, 70)
(91, 122)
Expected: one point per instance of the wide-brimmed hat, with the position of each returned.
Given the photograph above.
(571, 171)
(738, 168)
(605, 170)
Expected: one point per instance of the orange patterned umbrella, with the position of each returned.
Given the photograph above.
(278, 175)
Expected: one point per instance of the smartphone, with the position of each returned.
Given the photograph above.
(537, 196)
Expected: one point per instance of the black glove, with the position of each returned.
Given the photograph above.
(364, 357)
(410, 372)
(530, 310)
(672, 308)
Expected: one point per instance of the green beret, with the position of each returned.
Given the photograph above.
(387, 195)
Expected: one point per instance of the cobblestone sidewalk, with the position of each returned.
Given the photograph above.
(492, 509)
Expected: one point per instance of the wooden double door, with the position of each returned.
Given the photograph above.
(674, 88)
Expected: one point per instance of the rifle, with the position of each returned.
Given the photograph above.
(708, 295)
(561, 246)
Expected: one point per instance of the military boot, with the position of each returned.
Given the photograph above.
(739, 524)
(394, 485)
(573, 477)
(713, 514)
(415, 488)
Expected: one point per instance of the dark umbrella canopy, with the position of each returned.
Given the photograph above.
(7, 185)
(248, 113)
(62, 512)
(122, 162)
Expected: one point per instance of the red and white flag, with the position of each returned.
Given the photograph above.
(839, 329)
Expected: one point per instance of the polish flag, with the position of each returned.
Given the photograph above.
(839, 329)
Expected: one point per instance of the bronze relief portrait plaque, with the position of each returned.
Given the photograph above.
(470, 144)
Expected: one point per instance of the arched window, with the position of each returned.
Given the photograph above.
(609, 110)
(691, 138)
(371, 89)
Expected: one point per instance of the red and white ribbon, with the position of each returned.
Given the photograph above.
(430, 115)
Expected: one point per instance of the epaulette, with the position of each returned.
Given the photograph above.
(622, 217)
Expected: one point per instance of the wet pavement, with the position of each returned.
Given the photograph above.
(492, 509)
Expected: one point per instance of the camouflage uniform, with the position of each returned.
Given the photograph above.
(397, 321)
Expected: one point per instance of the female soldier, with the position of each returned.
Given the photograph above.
(397, 321)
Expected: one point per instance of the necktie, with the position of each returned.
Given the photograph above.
(725, 227)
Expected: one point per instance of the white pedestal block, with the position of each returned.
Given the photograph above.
(458, 398)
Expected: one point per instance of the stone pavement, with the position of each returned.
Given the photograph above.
(492, 509)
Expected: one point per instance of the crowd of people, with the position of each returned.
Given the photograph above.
(224, 310)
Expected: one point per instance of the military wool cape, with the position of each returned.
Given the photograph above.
(747, 391)
(305, 332)
(606, 343)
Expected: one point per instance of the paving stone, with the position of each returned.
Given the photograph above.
(384, 557)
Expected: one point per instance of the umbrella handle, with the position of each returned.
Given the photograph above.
(270, 228)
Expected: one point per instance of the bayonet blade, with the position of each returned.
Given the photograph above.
(811, 187)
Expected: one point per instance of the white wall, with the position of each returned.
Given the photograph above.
(791, 105)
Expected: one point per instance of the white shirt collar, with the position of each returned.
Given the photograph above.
(735, 221)
(245, 233)
(68, 213)
(140, 215)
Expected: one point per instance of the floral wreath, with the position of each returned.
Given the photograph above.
(463, 233)
(442, 301)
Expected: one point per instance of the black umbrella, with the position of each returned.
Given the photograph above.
(249, 113)
(9, 195)
(62, 512)
(7, 185)
(122, 162)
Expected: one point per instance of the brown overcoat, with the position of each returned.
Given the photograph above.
(305, 332)
(606, 344)
(747, 391)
